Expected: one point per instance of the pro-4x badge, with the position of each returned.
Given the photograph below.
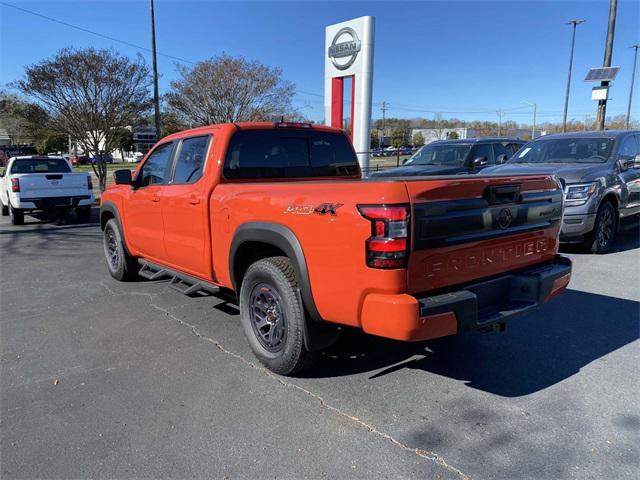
(325, 208)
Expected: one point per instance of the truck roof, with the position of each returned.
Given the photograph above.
(477, 140)
(590, 134)
(252, 126)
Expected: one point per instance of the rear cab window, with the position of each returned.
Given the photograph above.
(40, 165)
(289, 153)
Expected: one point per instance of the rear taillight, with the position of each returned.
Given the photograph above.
(89, 183)
(15, 184)
(388, 246)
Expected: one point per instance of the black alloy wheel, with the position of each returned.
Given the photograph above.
(269, 320)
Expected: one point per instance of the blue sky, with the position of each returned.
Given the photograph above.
(448, 57)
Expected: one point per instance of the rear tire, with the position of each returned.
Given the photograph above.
(121, 265)
(601, 238)
(83, 214)
(273, 316)
(17, 216)
(5, 208)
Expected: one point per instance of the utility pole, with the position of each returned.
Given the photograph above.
(585, 121)
(156, 98)
(608, 50)
(575, 23)
(633, 78)
(499, 112)
(383, 107)
(533, 126)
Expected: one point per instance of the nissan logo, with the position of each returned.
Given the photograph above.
(504, 219)
(348, 48)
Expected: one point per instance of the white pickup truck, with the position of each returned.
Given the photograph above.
(43, 183)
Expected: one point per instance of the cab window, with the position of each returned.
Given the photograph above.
(190, 160)
(482, 150)
(628, 149)
(289, 153)
(154, 170)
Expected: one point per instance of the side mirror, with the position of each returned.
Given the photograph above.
(636, 162)
(501, 159)
(479, 162)
(122, 177)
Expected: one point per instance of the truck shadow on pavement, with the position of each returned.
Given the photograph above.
(53, 220)
(535, 352)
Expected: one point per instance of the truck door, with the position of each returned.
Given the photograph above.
(630, 176)
(145, 228)
(184, 208)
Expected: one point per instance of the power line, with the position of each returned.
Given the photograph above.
(86, 30)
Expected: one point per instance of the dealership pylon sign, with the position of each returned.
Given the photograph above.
(349, 54)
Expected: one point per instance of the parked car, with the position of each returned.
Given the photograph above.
(451, 157)
(44, 183)
(600, 172)
(279, 214)
(80, 160)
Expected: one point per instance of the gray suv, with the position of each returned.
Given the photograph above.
(600, 173)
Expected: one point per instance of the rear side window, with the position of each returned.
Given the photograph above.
(40, 165)
(288, 153)
(190, 160)
(503, 149)
(155, 169)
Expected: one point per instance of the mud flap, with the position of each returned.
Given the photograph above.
(317, 335)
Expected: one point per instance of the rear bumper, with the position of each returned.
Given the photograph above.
(46, 203)
(471, 307)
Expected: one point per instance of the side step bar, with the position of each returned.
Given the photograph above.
(181, 282)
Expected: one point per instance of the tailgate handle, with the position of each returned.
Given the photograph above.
(155, 197)
(53, 177)
(499, 195)
(193, 200)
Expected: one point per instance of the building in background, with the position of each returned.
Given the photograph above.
(144, 138)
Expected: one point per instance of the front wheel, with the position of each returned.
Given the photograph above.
(600, 240)
(121, 265)
(273, 316)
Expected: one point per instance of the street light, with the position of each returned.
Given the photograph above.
(533, 128)
(633, 78)
(575, 23)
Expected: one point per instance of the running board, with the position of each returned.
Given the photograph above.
(180, 282)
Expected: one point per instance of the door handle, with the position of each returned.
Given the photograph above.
(193, 200)
(155, 197)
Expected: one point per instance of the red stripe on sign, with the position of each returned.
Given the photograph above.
(337, 98)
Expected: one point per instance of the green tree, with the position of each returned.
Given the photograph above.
(375, 141)
(124, 140)
(418, 139)
(453, 135)
(398, 138)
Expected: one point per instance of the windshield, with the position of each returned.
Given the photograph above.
(565, 150)
(447, 154)
(40, 165)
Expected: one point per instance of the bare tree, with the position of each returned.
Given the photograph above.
(227, 89)
(90, 94)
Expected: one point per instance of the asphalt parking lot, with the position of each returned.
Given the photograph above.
(129, 380)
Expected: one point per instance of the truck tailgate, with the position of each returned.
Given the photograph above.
(476, 227)
(45, 185)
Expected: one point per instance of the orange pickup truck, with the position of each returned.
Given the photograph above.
(279, 214)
